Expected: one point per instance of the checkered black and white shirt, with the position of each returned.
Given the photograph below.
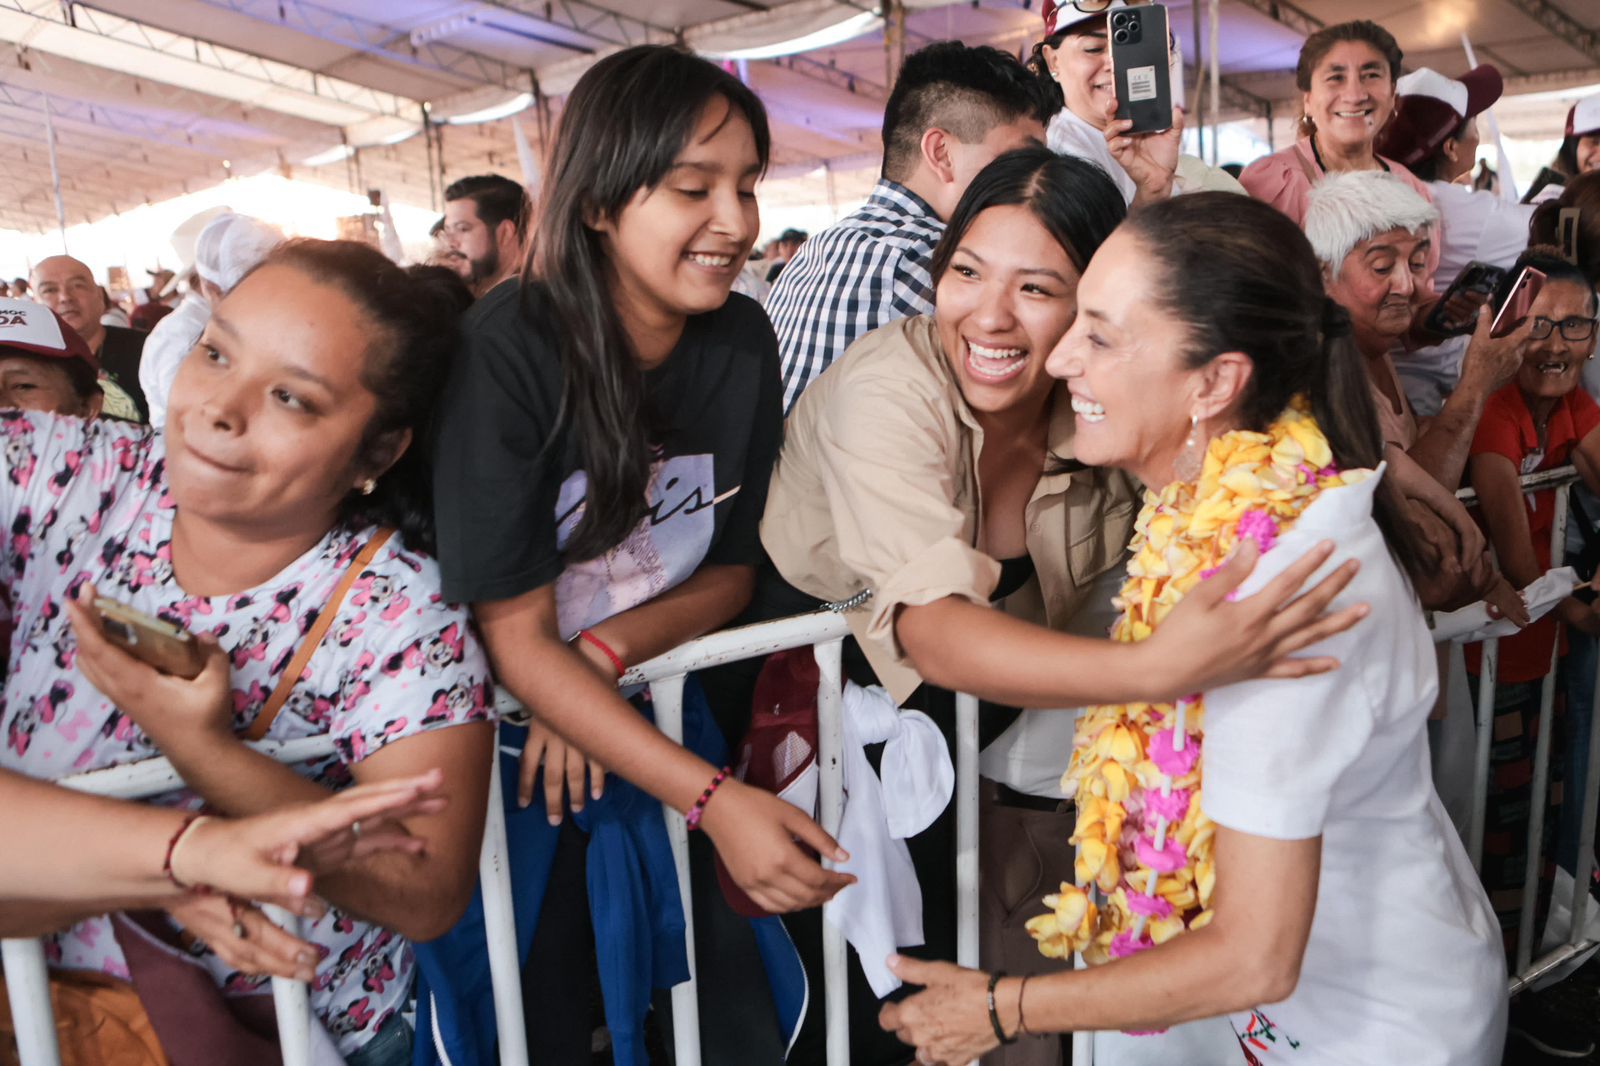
(866, 270)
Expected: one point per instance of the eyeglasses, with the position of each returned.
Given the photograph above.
(1572, 329)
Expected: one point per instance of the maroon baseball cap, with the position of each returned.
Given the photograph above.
(34, 329)
(1431, 107)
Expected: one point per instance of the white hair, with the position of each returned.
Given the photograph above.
(1347, 208)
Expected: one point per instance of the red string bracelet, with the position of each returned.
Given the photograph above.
(605, 649)
(172, 847)
(692, 817)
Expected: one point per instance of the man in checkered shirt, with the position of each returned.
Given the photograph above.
(952, 111)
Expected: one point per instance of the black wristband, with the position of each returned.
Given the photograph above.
(994, 1015)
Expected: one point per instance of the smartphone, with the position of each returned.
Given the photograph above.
(1474, 277)
(169, 648)
(1546, 177)
(1517, 305)
(1139, 56)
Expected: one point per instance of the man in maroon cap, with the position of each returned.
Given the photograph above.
(44, 364)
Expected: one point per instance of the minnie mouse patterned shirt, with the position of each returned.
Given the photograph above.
(87, 501)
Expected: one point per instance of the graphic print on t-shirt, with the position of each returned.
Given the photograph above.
(666, 546)
(1261, 1040)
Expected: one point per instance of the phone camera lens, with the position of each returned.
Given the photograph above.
(1119, 19)
(1121, 36)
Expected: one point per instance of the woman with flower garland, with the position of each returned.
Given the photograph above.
(1314, 891)
(929, 475)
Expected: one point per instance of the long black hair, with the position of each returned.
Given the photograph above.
(412, 341)
(1243, 278)
(625, 123)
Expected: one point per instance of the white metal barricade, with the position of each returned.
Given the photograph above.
(824, 631)
(28, 983)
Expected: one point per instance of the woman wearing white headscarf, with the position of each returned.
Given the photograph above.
(227, 249)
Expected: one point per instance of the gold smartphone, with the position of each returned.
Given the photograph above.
(169, 648)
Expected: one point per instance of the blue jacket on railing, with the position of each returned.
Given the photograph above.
(634, 904)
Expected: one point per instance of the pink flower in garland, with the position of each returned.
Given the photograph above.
(1260, 527)
(1149, 906)
(1125, 944)
(1168, 860)
(1170, 762)
(1172, 807)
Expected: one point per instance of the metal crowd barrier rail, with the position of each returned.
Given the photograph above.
(28, 982)
(1528, 969)
(825, 633)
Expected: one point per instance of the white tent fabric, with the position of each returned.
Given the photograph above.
(152, 98)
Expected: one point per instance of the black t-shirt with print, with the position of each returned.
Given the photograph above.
(506, 503)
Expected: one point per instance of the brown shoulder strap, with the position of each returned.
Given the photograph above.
(1312, 174)
(308, 646)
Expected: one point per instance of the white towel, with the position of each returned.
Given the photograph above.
(882, 911)
(1472, 622)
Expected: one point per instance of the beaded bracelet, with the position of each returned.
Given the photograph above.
(692, 817)
(994, 1015)
(172, 848)
(605, 649)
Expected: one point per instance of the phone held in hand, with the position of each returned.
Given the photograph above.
(1475, 277)
(1519, 303)
(1139, 56)
(169, 648)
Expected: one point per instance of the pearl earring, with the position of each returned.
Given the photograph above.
(368, 486)
(1190, 461)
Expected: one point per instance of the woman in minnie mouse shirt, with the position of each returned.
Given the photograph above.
(286, 452)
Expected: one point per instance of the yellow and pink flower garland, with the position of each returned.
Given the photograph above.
(1135, 771)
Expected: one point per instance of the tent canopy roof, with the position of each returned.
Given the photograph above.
(152, 98)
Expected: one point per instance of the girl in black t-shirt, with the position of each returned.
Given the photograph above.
(606, 442)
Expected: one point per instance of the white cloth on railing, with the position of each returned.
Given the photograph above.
(882, 911)
(1472, 622)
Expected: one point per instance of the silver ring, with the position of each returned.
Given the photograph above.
(240, 931)
(355, 829)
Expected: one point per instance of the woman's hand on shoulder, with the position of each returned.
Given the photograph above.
(760, 837)
(175, 712)
(1210, 639)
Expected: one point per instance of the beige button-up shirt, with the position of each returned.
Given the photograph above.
(877, 488)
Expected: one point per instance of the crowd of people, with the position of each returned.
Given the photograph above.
(1052, 381)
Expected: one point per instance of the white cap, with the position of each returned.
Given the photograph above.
(1426, 82)
(230, 246)
(1584, 118)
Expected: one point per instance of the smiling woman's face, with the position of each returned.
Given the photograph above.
(1008, 295)
(1551, 366)
(268, 413)
(1082, 66)
(1351, 96)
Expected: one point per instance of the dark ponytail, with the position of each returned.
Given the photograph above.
(1243, 278)
(413, 317)
(1582, 194)
(624, 125)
